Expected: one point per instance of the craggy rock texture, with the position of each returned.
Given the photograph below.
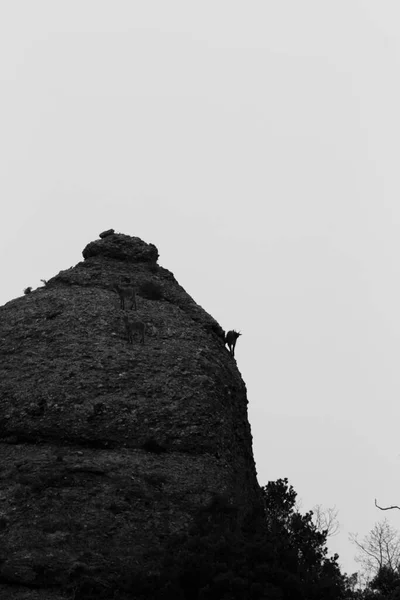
(109, 449)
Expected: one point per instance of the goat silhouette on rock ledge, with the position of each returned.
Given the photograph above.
(231, 339)
(125, 292)
(133, 327)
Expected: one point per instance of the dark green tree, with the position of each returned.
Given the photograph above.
(299, 564)
(386, 583)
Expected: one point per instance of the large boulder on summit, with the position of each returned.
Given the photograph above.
(121, 247)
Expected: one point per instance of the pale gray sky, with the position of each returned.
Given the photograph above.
(257, 145)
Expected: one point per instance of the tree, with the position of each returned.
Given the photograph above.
(386, 581)
(379, 548)
(299, 565)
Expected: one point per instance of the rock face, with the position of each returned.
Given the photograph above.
(108, 449)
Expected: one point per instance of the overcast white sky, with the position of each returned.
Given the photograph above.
(256, 144)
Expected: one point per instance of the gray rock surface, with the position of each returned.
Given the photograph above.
(107, 450)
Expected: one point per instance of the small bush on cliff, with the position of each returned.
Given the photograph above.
(151, 290)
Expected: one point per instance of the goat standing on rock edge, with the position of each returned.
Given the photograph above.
(126, 292)
(133, 327)
(231, 339)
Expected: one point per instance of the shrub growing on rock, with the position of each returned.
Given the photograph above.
(151, 290)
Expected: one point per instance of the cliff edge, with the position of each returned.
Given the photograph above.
(110, 450)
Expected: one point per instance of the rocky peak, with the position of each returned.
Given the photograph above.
(109, 449)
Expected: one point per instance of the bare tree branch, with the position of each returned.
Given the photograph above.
(376, 554)
(325, 519)
(385, 508)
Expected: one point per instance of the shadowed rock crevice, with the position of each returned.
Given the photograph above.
(109, 449)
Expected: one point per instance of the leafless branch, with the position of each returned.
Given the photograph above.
(325, 519)
(385, 508)
(366, 550)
